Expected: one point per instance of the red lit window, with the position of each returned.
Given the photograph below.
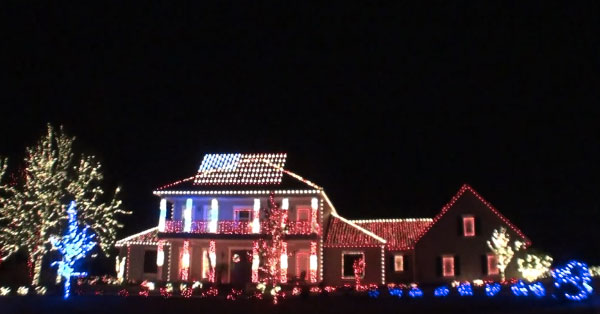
(448, 266)
(398, 262)
(469, 226)
(492, 265)
(302, 265)
(302, 213)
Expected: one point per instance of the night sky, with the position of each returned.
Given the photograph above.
(390, 108)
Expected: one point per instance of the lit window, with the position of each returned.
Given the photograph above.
(492, 265)
(398, 262)
(348, 259)
(303, 213)
(469, 226)
(244, 214)
(302, 260)
(448, 266)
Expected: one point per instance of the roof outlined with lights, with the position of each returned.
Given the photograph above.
(237, 171)
(400, 234)
(241, 169)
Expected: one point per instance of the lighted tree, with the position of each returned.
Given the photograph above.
(500, 246)
(33, 211)
(73, 246)
(7, 204)
(270, 247)
(359, 271)
(534, 266)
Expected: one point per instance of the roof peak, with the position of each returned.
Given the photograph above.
(241, 169)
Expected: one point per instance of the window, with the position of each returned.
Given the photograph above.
(302, 213)
(468, 226)
(398, 262)
(448, 266)
(348, 259)
(492, 265)
(150, 262)
(302, 261)
(242, 214)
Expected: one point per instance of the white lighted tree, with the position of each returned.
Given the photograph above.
(500, 246)
(271, 248)
(534, 266)
(33, 210)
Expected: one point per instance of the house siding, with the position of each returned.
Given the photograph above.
(444, 239)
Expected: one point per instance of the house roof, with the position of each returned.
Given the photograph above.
(146, 237)
(399, 234)
(467, 188)
(224, 172)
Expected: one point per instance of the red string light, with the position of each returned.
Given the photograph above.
(238, 227)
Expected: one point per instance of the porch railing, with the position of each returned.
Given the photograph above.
(237, 227)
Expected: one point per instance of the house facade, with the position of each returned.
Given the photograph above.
(210, 225)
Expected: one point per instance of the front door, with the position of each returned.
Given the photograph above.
(241, 267)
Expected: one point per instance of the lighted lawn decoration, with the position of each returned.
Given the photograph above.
(573, 280)
(500, 246)
(73, 246)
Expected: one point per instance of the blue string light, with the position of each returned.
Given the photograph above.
(465, 290)
(492, 289)
(373, 293)
(442, 291)
(538, 289)
(415, 293)
(395, 291)
(73, 246)
(519, 289)
(573, 276)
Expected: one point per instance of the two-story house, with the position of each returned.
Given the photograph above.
(210, 223)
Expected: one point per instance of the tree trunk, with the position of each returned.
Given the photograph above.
(37, 269)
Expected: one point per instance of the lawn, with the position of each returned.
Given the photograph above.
(312, 305)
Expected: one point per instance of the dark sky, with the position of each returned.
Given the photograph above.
(389, 107)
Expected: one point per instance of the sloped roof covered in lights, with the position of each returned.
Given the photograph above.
(400, 234)
(146, 237)
(221, 172)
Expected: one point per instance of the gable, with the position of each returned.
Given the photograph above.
(468, 202)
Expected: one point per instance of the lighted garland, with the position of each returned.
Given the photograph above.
(575, 276)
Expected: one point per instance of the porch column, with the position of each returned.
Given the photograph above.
(185, 261)
(283, 263)
(212, 257)
(187, 216)
(162, 216)
(256, 216)
(160, 259)
(214, 216)
(313, 262)
(255, 261)
(314, 205)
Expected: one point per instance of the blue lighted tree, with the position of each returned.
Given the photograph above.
(73, 246)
